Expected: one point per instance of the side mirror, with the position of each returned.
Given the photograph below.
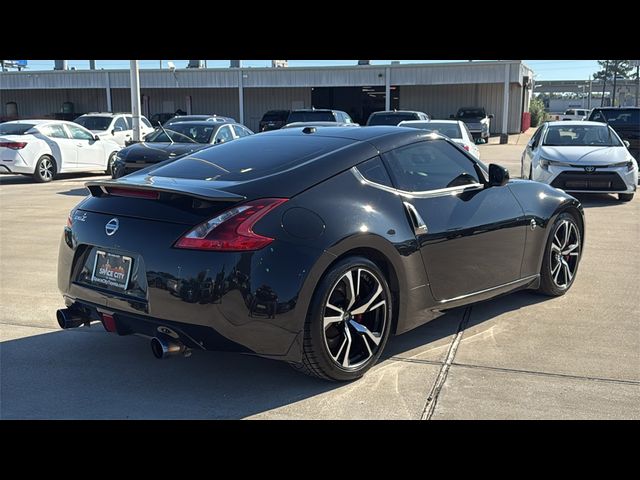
(96, 137)
(113, 132)
(626, 143)
(498, 176)
(491, 115)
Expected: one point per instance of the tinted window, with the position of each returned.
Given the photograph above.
(183, 133)
(374, 171)
(145, 122)
(121, 125)
(94, 123)
(311, 116)
(15, 128)
(238, 161)
(129, 120)
(430, 165)
(570, 112)
(275, 116)
(618, 117)
(79, 133)
(451, 130)
(54, 130)
(471, 113)
(392, 118)
(580, 136)
(536, 137)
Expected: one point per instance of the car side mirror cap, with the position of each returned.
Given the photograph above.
(113, 132)
(626, 143)
(498, 175)
(96, 137)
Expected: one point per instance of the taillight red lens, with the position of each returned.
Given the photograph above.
(466, 147)
(132, 192)
(13, 145)
(232, 230)
(69, 221)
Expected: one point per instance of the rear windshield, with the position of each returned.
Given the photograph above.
(618, 117)
(275, 116)
(471, 113)
(254, 157)
(451, 130)
(317, 116)
(183, 133)
(15, 128)
(94, 123)
(391, 118)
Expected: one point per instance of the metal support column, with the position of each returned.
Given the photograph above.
(135, 99)
(504, 137)
(240, 96)
(387, 89)
(108, 91)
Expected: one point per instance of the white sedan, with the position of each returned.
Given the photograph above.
(44, 148)
(586, 157)
(456, 130)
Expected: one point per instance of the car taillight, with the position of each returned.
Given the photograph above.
(69, 221)
(466, 147)
(13, 145)
(232, 230)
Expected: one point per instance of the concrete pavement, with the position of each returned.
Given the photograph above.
(519, 356)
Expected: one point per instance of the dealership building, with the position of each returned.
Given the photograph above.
(503, 88)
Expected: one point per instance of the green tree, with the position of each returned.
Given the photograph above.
(536, 108)
(621, 68)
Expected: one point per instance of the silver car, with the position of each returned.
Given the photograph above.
(585, 157)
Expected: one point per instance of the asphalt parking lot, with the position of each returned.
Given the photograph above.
(522, 356)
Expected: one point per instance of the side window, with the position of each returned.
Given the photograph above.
(144, 121)
(347, 118)
(121, 125)
(430, 165)
(374, 171)
(571, 112)
(129, 120)
(240, 131)
(223, 135)
(54, 131)
(535, 140)
(598, 117)
(79, 133)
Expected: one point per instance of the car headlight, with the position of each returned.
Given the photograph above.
(628, 164)
(545, 163)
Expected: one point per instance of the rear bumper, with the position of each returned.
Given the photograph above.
(12, 162)
(252, 300)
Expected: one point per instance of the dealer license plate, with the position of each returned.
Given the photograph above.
(111, 270)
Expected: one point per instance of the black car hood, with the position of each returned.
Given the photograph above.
(153, 152)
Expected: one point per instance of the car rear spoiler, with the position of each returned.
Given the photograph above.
(200, 189)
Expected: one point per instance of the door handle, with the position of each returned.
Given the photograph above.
(80, 144)
(419, 227)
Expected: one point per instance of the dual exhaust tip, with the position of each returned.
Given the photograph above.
(160, 346)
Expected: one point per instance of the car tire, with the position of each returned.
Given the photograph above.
(360, 299)
(110, 162)
(625, 197)
(45, 169)
(562, 256)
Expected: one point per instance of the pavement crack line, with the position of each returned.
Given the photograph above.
(432, 399)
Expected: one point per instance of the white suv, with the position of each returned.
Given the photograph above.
(114, 126)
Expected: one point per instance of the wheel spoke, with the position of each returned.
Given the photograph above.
(557, 270)
(570, 249)
(555, 247)
(330, 320)
(352, 292)
(566, 234)
(568, 274)
(364, 308)
(365, 332)
(344, 342)
(333, 307)
(347, 333)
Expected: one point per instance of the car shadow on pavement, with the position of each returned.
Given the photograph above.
(598, 200)
(76, 192)
(26, 179)
(88, 373)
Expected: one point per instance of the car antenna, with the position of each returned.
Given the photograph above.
(165, 132)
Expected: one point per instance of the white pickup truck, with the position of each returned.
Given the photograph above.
(570, 114)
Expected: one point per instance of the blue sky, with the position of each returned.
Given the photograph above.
(544, 69)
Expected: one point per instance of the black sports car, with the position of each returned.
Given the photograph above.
(168, 143)
(311, 246)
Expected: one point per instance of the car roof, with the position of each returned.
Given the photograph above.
(616, 108)
(437, 120)
(573, 123)
(43, 121)
(387, 112)
(317, 124)
(315, 110)
(206, 123)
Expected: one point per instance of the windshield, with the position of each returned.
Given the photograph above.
(275, 116)
(94, 123)
(182, 133)
(392, 118)
(471, 113)
(15, 128)
(618, 117)
(311, 116)
(580, 136)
